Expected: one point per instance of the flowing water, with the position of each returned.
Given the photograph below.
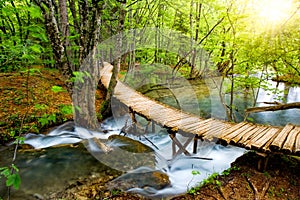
(49, 169)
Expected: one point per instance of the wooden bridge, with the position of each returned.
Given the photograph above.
(262, 138)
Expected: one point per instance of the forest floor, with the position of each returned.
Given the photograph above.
(280, 180)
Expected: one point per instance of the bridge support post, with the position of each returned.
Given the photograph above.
(134, 121)
(195, 144)
(153, 126)
(263, 161)
(172, 135)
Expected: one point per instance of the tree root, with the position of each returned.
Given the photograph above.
(220, 190)
(253, 187)
(257, 195)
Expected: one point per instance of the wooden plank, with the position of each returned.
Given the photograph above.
(237, 138)
(196, 126)
(297, 145)
(144, 109)
(214, 133)
(252, 139)
(232, 129)
(179, 122)
(247, 136)
(288, 146)
(217, 126)
(266, 147)
(179, 116)
(164, 119)
(258, 144)
(203, 130)
(189, 122)
(200, 123)
(281, 137)
(239, 131)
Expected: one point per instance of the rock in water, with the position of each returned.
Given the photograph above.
(143, 178)
(130, 145)
(126, 154)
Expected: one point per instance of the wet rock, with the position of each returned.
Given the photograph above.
(130, 145)
(126, 154)
(143, 178)
(38, 196)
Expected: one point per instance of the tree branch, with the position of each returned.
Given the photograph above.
(273, 108)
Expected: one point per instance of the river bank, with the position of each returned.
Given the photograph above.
(281, 180)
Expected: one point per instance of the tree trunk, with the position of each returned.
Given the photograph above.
(55, 39)
(83, 94)
(106, 108)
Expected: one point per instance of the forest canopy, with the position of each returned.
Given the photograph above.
(243, 37)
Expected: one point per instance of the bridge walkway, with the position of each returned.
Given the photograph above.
(262, 138)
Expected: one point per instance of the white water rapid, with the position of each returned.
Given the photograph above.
(179, 169)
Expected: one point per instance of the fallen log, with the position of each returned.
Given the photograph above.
(273, 108)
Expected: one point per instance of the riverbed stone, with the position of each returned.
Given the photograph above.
(143, 178)
(130, 145)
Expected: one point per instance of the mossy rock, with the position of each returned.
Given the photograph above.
(143, 178)
(130, 145)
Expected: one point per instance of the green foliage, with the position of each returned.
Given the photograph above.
(80, 76)
(47, 119)
(65, 110)
(23, 41)
(228, 171)
(195, 172)
(57, 89)
(212, 179)
(12, 176)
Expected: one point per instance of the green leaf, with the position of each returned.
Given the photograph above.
(56, 89)
(195, 172)
(40, 106)
(14, 180)
(66, 109)
(36, 48)
(5, 171)
(218, 183)
(52, 118)
(43, 121)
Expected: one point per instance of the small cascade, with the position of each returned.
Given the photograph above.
(132, 153)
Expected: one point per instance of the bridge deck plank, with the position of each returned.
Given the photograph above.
(255, 137)
(291, 140)
(265, 138)
(240, 131)
(237, 138)
(203, 130)
(215, 131)
(230, 130)
(201, 123)
(281, 137)
(247, 136)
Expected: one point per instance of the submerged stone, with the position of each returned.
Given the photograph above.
(130, 145)
(143, 178)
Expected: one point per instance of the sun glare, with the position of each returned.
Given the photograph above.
(274, 11)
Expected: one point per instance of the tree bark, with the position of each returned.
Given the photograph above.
(106, 108)
(58, 31)
(273, 108)
(57, 45)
